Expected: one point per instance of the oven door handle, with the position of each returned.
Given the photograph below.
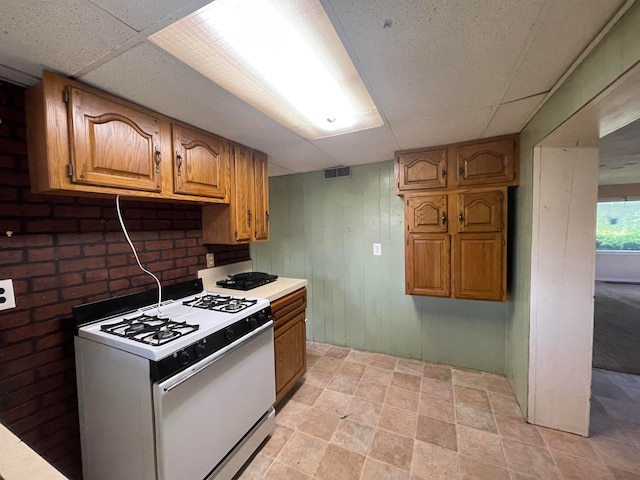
(218, 355)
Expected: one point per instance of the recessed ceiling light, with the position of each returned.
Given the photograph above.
(282, 56)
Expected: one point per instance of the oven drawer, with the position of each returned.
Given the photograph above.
(201, 413)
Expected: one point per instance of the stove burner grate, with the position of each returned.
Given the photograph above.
(221, 303)
(149, 329)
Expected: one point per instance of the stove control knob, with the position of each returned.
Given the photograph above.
(262, 318)
(253, 321)
(229, 334)
(199, 349)
(183, 357)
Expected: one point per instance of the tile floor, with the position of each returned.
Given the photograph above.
(365, 416)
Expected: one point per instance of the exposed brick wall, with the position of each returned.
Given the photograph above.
(65, 251)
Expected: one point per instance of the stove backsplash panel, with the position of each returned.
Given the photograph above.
(65, 251)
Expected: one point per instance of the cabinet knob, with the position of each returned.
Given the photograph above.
(461, 171)
(179, 159)
(443, 173)
(267, 215)
(444, 218)
(249, 218)
(461, 217)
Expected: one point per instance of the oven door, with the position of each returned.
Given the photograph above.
(202, 412)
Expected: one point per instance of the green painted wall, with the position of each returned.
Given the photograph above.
(323, 230)
(618, 52)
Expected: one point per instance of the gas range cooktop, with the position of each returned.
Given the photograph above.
(247, 280)
(155, 333)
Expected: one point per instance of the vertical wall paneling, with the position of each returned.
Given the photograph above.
(324, 230)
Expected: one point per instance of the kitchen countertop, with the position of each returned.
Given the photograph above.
(271, 291)
(19, 462)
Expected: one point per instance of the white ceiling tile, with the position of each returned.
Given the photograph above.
(302, 157)
(155, 79)
(442, 130)
(564, 33)
(64, 35)
(140, 14)
(512, 117)
(438, 57)
(366, 146)
(277, 171)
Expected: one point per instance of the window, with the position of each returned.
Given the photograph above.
(618, 226)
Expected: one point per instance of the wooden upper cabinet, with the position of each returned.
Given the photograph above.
(479, 211)
(479, 163)
(88, 142)
(243, 193)
(428, 264)
(112, 145)
(426, 213)
(261, 196)
(246, 218)
(479, 268)
(200, 163)
(491, 163)
(420, 170)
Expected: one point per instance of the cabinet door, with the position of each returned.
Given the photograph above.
(427, 264)
(113, 145)
(261, 196)
(421, 170)
(479, 211)
(201, 163)
(478, 266)
(426, 213)
(485, 163)
(242, 193)
(290, 350)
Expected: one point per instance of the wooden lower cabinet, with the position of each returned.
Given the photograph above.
(290, 340)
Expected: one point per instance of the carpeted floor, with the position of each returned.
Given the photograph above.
(616, 335)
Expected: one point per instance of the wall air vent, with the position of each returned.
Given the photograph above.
(336, 172)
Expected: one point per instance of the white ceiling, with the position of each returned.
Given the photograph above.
(443, 71)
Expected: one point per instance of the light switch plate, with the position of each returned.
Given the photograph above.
(377, 249)
(7, 297)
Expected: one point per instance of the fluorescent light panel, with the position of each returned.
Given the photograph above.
(282, 56)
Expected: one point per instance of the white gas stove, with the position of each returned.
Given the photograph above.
(193, 378)
(156, 333)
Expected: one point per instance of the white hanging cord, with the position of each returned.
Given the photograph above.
(135, 254)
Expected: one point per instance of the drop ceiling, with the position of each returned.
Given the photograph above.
(438, 71)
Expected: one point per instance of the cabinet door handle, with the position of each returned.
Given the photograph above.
(461, 171)
(249, 217)
(444, 218)
(461, 218)
(267, 215)
(179, 158)
(443, 173)
(158, 159)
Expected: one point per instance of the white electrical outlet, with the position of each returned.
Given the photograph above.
(377, 249)
(7, 297)
(210, 260)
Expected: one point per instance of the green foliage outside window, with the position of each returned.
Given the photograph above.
(618, 226)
